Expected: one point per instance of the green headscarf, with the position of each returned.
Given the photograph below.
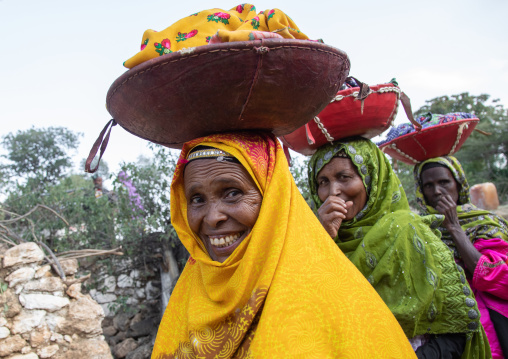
(400, 253)
(475, 222)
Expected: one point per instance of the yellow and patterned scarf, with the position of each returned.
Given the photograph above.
(241, 23)
(286, 292)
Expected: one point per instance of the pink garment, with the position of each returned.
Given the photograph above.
(490, 286)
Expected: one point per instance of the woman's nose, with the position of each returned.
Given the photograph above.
(335, 189)
(215, 215)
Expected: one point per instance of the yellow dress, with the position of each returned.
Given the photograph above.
(286, 292)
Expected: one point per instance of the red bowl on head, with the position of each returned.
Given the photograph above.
(273, 84)
(440, 140)
(344, 117)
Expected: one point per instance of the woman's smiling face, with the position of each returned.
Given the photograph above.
(223, 204)
(340, 178)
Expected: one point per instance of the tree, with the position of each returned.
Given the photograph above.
(39, 154)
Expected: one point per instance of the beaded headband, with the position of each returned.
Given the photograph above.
(211, 153)
(341, 153)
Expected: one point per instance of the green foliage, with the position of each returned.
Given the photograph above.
(90, 219)
(298, 169)
(39, 155)
(151, 179)
(484, 158)
(3, 287)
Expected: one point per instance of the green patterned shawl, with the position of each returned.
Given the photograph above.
(476, 223)
(400, 253)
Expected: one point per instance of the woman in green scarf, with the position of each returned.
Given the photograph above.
(477, 238)
(361, 203)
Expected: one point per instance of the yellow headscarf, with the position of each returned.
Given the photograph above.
(241, 23)
(286, 292)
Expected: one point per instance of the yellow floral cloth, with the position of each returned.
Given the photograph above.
(287, 291)
(241, 23)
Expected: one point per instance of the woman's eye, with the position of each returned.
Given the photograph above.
(232, 193)
(196, 199)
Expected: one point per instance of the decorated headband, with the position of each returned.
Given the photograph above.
(220, 155)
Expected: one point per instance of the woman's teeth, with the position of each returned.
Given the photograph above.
(224, 241)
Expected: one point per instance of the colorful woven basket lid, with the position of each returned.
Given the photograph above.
(242, 70)
(440, 135)
(358, 110)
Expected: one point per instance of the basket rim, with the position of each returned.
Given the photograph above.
(428, 129)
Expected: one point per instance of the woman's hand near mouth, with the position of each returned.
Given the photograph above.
(332, 213)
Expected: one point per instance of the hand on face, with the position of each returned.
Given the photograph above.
(332, 212)
(445, 205)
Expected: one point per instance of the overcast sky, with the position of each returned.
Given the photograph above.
(59, 58)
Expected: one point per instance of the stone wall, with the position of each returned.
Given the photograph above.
(43, 316)
(130, 299)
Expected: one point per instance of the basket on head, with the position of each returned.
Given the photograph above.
(350, 113)
(273, 84)
(429, 142)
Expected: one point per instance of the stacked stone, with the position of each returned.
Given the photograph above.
(43, 317)
(131, 303)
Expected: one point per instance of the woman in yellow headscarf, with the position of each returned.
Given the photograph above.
(264, 279)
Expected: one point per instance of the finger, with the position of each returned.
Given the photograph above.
(332, 215)
(330, 207)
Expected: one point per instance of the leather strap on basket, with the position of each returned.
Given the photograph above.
(406, 103)
(363, 92)
(310, 138)
(288, 155)
(99, 142)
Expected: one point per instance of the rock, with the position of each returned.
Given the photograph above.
(109, 331)
(124, 281)
(74, 291)
(104, 298)
(142, 328)
(134, 274)
(47, 302)
(69, 266)
(45, 284)
(132, 301)
(21, 275)
(11, 345)
(122, 349)
(43, 271)
(142, 352)
(121, 321)
(119, 337)
(152, 291)
(56, 337)
(3, 321)
(26, 350)
(27, 356)
(108, 285)
(55, 322)
(140, 293)
(48, 352)
(9, 300)
(85, 316)
(22, 254)
(68, 339)
(27, 320)
(108, 311)
(4, 332)
(137, 318)
(40, 336)
(86, 349)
